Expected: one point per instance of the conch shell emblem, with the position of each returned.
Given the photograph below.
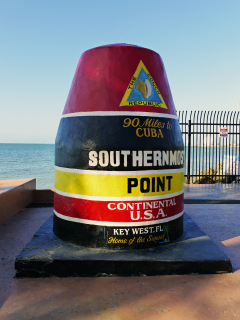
(144, 87)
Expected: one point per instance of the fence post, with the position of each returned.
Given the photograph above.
(189, 151)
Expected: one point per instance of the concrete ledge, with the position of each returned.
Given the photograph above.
(14, 196)
(43, 196)
(48, 256)
(211, 201)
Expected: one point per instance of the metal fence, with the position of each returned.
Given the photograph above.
(212, 146)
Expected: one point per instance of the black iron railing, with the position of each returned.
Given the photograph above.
(212, 146)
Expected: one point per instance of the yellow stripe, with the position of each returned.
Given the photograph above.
(119, 186)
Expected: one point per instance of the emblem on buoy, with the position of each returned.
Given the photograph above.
(142, 90)
(144, 87)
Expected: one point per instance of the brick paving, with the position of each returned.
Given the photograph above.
(121, 298)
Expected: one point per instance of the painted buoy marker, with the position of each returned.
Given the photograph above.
(119, 154)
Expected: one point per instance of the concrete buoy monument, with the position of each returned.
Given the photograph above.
(119, 153)
(119, 173)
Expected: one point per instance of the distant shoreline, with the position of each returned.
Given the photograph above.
(27, 143)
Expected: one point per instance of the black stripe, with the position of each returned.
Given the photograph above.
(77, 136)
(98, 236)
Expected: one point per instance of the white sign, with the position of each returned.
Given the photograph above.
(223, 132)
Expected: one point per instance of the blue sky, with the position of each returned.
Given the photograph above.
(42, 41)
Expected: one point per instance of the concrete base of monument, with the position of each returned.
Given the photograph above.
(48, 256)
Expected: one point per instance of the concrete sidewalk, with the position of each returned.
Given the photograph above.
(119, 298)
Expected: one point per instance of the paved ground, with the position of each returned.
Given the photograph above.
(212, 191)
(165, 297)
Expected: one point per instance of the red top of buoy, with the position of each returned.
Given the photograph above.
(120, 77)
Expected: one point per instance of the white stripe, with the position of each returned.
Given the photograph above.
(119, 173)
(99, 198)
(119, 113)
(115, 224)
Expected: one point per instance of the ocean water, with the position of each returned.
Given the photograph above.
(24, 161)
(211, 157)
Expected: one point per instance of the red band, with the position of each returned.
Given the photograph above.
(103, 75)
(118, 211)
